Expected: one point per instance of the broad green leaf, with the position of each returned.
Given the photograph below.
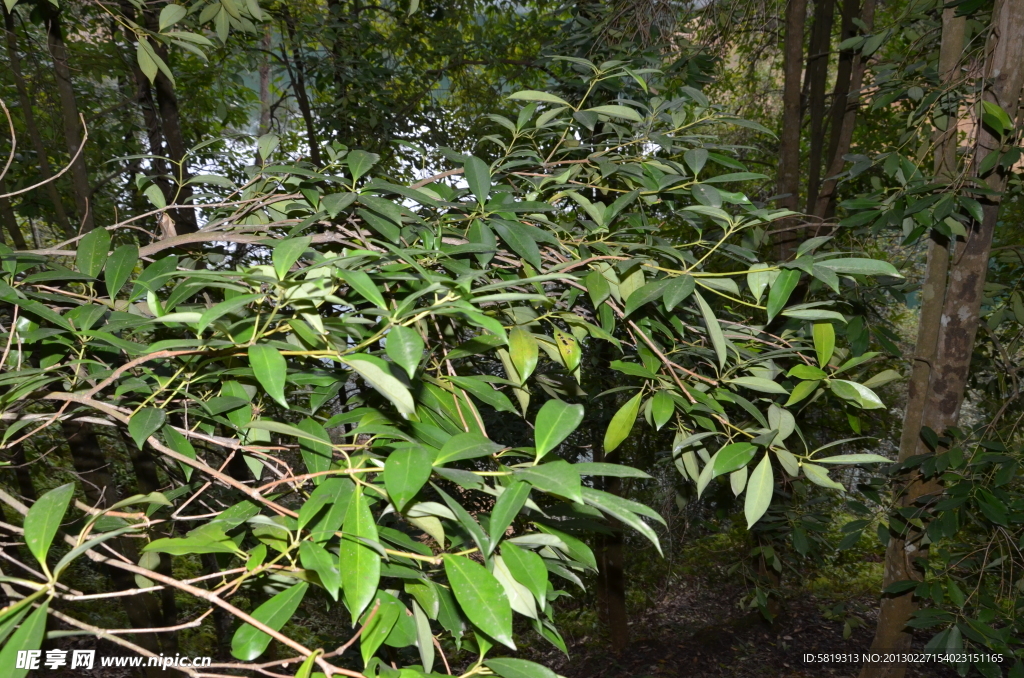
(483, 391)
(569, 349)
(819, 476)
(467, 521)
(760, 486)
(265, 146)
(334, 494)
(520, 240)
(646, 294)
(801, 391)
(855, 459)
(758, 278)
(556, 477)
(360, 162)
(860, 395)
(119, 268)
(481, 597)
(43, 520)
(781, 290)
(287, 252)
(662, 408)
(145, 423)
(806, 372)
(617, 111)
(574, 548)
(528, 569)
(524, 350)
(171, 14)
(510, 667)
(316, 453)
(405, 346)
(29, 636)
(465, 446)
(818, 314)
(555, 421)
(424, 637)
(535, 95)
(714, 330)
(315, 557)
(361, 283)
(270, 369)
(758, 384)
(677, 290)
(92, 252)
(519, 597)
(375, 371)
(856, 266)
(598, 468)
(622, 423)
(248, 643)
(506, 508)
(405, 472)
(622, 509)
(223, 308)
(732, 457)
(478, 176)
(824, 342)
(597, 287)
(360, 564)
(380, 625)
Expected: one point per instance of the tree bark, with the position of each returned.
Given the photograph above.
(817, 78)
(955, 328)
(71, 120)
(788, 178)
(298, 78)
(264, 70)
(825, 204)
(844, 70)
(35, 138)
(10, 221)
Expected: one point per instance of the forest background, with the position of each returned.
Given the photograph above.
(512, 338)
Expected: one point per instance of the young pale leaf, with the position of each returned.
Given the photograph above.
(248, 643)
(860, 395)
(481, 598)
(287, 252)
(714, 330)
(270, 369)
(315, 557)
(506, 509)
(509, 667)
(359, 564)
(855, 459)
(519, 597)
(376, 372)
(555, 421)
(622, 423)
(782, 288)
(405, 472)
(92, 252)
(145, 423)
(819, 476)
(478, 176)
(119, 268)
(405, 347)
(29, 636)
(824, 342)
(524, 351)
(760, 486)
(43, 520)
(424, 636)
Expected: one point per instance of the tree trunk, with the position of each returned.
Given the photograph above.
(788, 179)
(825, 204)
(844, 70)
(10, 221)
(264, 69)
(298, 78)
(817, 78)
(35, 138)
(70, 118)
(955, 328)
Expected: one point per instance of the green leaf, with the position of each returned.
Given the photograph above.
(646, 294)
(819, 476)
(287, 252)
(860, 395)
(360, 162)
(557, 477)
(598, 468)
(316, 453)
(597, 287)
(758, 384)
(801, 391)
(506, 508)
(714, 330)
(361, 283)
(223, 308)
(760, 486)
(519, 239)
(555, 421)
(145, 423)
(171, 14)
(92, 252)
(375, 371)
(43, 520)
(478, 176)
(617, 111)
(378, 627)
(758, 279)
(622, 509)
(119, 268)
(482, 390)
(405, 472)
(315, 557)
(509, 667)
(248, 643)
(524, 351)
(662, 408)
(465, 446)
(405, 346)
(360, 564)
(622, 423)
(534, 95)
(481, 597)
(528, 569)
(732, 457)
(265, 146)
(29, 636)
(270, 369)
(677, 290)
(824, 342)
(855, 459)
(857, 266)
(814, 314)
(782, 288)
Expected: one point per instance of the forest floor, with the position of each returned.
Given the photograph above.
(698, 630)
